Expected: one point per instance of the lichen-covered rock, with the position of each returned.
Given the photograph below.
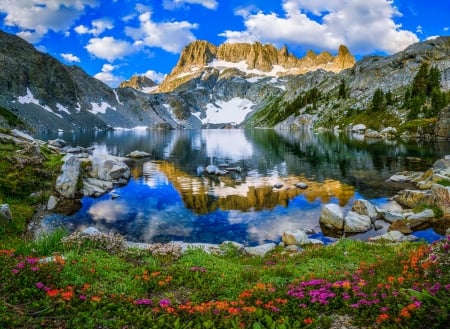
(412, 198)
(441, 196)
(364, 207)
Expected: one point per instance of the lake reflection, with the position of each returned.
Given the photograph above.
(171, 198)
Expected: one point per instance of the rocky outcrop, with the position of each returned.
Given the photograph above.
(138, 82)
(5, 214)
(442, 128)
(86, 175)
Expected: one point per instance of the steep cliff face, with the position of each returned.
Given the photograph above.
(252, 59)
(139, 82)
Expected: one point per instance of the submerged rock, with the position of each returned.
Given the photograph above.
(138, 154)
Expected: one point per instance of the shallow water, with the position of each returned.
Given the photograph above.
(170, 197)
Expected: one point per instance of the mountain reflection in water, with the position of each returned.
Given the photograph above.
(168, 199)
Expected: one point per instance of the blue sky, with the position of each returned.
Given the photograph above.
(113, 40)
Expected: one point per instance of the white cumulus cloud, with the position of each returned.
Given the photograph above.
(109, 48)
(364, 26)
(172, 4)
(107, 76)
(98, 27)
(155, 76)
(170, 36)
(70, 58)
(35, 18)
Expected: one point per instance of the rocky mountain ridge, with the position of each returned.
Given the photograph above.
(252, 59)
(239, 85)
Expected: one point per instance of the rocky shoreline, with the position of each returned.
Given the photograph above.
(100, 175)
(85, 173)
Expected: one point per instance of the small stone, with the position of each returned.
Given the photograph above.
(278, 185)
(301, 185)
(5, 213)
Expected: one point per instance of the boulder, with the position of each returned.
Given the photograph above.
(91, 231)
(400, 226)
(372, 134)
(5, 214)
(390, 216)
(420, 220)
(59, 143)
(296, 237)
(364, 207)
(138, 154)
(331, 217)
(95, 187)
(393, 236)
(441, 195)
(52, 202)
(405, 176)
(389, 132)
(301, 185)
(260, 250)
(109, 169)
(356, 223)
(359, 128)
(67, 181)
(412, 198)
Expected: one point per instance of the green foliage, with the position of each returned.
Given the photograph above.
(11, 118)
(444, 182)
(424, 98)
(342, 93)
(378, 103)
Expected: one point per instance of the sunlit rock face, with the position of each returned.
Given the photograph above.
(250, 59)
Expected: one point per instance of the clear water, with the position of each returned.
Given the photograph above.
(169, 198)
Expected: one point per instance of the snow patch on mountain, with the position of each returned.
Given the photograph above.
(232, 111)
(30, 99)
(243, 66)
(101, 108)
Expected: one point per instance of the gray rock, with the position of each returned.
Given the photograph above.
(332, 217)
(301, 185)
(260, 250)
(296, 237)
(95, 187)
(391, 217)
(59, 143)
(372, 134)
(66, 183)
(138, 154)
(109, 169)
(393, 236)
(412, 198)
(52, 202)
(423, 215)
(91, 231)
(356, 223)
(359, 128)
(278, 185)
(5, 213)
(364, 207)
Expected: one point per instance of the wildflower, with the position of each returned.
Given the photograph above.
(67, 295)
(198, 269)
(52, 292)
(95, 298)
(34, 269)
(164, 303)
(381, 318)
(82, 297)
(15, 270)
(308, 321)
(40, 285)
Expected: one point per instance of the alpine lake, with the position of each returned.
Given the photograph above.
(171, 197)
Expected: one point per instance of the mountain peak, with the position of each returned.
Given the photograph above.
(254, 59)
(138, 82)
